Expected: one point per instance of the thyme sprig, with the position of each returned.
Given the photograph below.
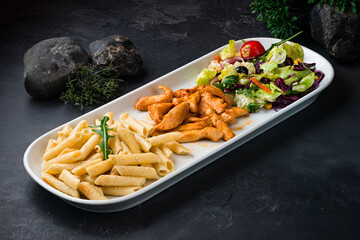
(91, 85)
(103, 129)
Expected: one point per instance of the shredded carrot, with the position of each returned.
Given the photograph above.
(265, 88)
(217, 57)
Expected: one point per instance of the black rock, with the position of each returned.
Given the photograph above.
(338, 32)
(49, 63)
(119, 51)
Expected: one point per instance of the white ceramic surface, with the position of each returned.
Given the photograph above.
(245, 129)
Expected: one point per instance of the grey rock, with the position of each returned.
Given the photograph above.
(338, 32)
(119, 51)
(49, 63)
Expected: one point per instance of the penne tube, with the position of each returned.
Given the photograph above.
(81, 170)
(94, 156)
(164, 138)
(150, 128)
(178, 148)
(166, 150)
(51, 144)
(68, 142)
(165, 161)
(99, 168)
(91, 192)
(82, 124)
(126, 149)
(123, 116)
(136, 126)
(143, 143)
(134, 159)
(119, 181)
(113, 171)
(65, 132)
(119, 191)
(89, 146)
(57, 168)
(115, 144)
(87, 178)
(67, 150)
(129, 139)
(87, 134)
(135, 171)
(66, 158)
(161, 169)
(70, 179)
(110, 116)
(59, 185)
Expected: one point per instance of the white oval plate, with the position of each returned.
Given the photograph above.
(245, 129)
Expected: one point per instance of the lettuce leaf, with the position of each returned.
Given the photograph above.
(277, 55)
(205, 76)
(229, 51)
(293, 50)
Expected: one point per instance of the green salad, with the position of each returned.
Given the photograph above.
(253, 77)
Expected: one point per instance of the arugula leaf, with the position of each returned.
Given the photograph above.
(103, 131)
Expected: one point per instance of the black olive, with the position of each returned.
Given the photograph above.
(242, 69)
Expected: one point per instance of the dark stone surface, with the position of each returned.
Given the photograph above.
(49, 63)
(119, 51)
(338, 32)
(299, 180)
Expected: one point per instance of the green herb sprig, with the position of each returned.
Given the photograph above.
(91, 85)
(103, 129)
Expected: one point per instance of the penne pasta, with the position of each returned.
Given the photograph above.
(126, 149)
(143, 143)
(68, 142)
(119, 181)
(166, 150)
(135, 171)
(70, 179)
(59, 185)
(99, 168)
(81, 170)
(87, 178)
(91, 192)
(164, 138)
(119, 191)
(57, 168)
(178, 148)
(136, 126)
(150, 128)
(89, 146)
(51, 144)
(129, 139)
(115, 144)
(66, 158)
(134, 159)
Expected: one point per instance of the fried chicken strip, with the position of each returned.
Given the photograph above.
(215, 103)
(229, 115)
(174, 117)
(220, 125)
(194, 135)
(191, 126)
(158, 110)
(217, 92)
(166, 97)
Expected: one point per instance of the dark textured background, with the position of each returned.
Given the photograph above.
(299, 180)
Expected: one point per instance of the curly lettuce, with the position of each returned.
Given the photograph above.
(205, 76)
(229, 51)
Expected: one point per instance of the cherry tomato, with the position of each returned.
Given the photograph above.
(252, 49)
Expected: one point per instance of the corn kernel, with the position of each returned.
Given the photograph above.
(268, 106)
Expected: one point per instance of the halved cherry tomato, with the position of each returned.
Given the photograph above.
(252, 49)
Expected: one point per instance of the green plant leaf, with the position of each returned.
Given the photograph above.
(103, 129)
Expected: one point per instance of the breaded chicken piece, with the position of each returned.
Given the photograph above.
(158, 110)
(166, 97)
(194, 135)
(174, 117)
(229, 115)
(191, 126)
(215, 103)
